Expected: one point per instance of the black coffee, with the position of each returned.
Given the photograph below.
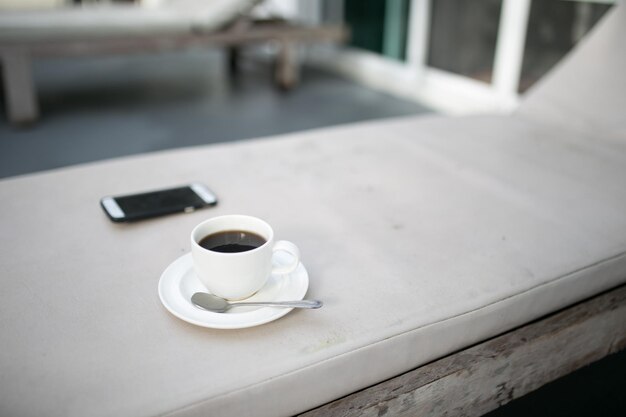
(231, 241)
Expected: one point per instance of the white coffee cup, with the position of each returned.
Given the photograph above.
(238, 275)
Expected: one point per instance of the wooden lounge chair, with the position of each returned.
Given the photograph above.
(125, 29)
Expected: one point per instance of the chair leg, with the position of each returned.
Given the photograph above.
(233, 53)
(287, 69)
(19, 88)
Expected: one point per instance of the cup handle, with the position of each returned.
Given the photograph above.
(286, 246)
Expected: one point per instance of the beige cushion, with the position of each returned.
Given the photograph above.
(422, 236)
(30, 4)
(120, 20)
(586, 90)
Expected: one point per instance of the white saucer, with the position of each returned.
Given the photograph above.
(179, 282)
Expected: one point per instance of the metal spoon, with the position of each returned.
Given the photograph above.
(219, 305)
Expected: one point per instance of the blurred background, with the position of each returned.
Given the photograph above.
(115, 78)
(397, 58)
(490, 51)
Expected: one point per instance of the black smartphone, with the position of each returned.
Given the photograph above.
(132, 207)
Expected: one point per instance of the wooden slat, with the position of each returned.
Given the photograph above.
(477, 380)
(173, 41)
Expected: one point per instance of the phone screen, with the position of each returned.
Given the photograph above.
(175, 199)
(157, 203)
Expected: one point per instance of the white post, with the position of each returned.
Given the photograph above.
(417, 38)
(507, 65)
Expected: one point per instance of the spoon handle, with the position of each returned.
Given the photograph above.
(289, 304)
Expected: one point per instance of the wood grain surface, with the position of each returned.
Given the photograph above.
(481, 378)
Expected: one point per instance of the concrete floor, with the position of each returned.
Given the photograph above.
(107, 107)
